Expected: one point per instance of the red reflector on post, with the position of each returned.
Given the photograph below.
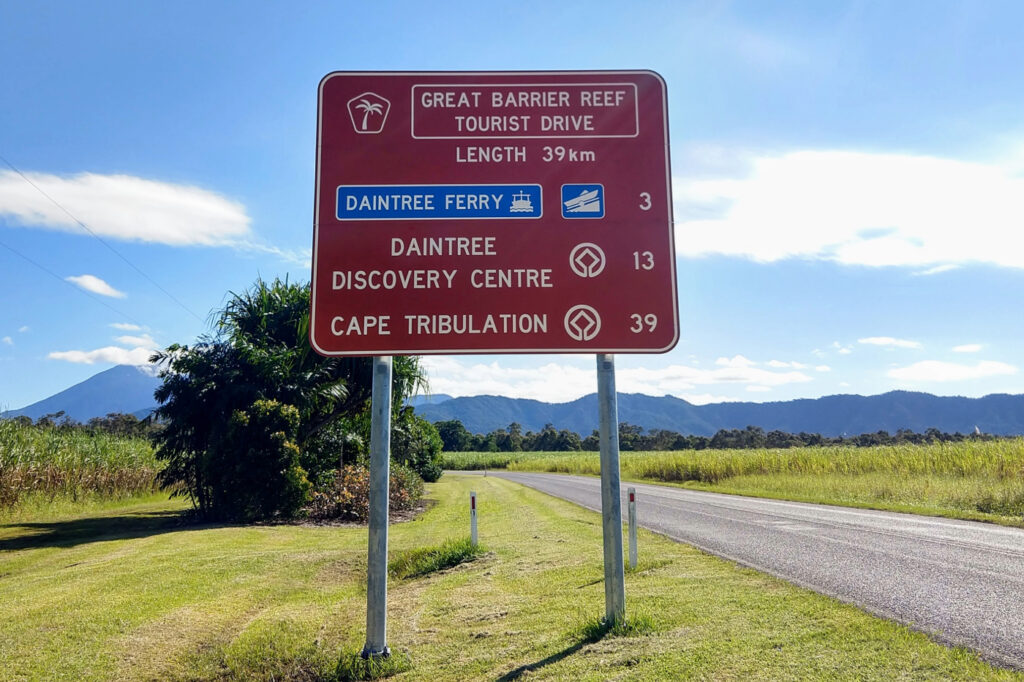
(631, 498)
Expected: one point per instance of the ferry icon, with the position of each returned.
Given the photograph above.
(582, 201)
(521, 203)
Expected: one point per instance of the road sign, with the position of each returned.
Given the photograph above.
(511, 212)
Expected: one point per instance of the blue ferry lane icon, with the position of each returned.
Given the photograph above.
(438, 202)
(583, 201)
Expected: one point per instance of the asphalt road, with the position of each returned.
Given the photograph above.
(960, 581)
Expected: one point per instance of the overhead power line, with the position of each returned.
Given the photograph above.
(61, 279)
(100, 240)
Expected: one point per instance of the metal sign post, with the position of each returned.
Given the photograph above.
(377, 553)
(611, 505)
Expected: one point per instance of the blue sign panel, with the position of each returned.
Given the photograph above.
(583, 201)
(438, 202)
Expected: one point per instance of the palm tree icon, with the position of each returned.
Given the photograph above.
(368, 108)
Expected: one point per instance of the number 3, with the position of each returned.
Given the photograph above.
(645, 201)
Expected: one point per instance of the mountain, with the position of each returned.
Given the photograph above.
(432, 399)
(130, 390)
(119, 389)
(830, 416)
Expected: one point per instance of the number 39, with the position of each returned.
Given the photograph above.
(640, 322)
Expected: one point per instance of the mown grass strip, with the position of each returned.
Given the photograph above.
(134, 595)
(425, 560)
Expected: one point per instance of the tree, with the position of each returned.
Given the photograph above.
(629, 436)
(260, 352)
(416, 444)
(545, 441)
(454, 435)
(515, 437)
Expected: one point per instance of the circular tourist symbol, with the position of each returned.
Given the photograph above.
(582, 322)
(587, 260)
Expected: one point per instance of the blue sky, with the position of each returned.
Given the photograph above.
(848, 180)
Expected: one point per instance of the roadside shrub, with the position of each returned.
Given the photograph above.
(347, 496)
(406, 487)
(254, 472)
(416, 443)
(260, 352)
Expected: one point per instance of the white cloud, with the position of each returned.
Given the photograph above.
(126, 327)
(967, 348)
(705, 398)
(551, 382)
(856, 208)
(837, 347)
(822, 368)
(144, 341)
(933, 370)
(124, 207)
(8, 340)
(22, 330)
(109, 354)
(554, 382)
(938, 269)
(889, 342)
(303, 258)
(736, 361)
(780, 364)
(96, 286)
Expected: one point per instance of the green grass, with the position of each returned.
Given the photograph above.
(132, 594)
(43, 466)
(424, 560)
(982, 480)
(596, 628)
(352, 666)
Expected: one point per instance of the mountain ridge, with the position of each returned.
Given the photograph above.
(129, 389)
(835, 415)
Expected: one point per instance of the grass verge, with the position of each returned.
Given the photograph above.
(131, 594)
(426, 560)
(352, 666)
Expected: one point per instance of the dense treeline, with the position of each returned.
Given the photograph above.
(114, 424)
(457, 438)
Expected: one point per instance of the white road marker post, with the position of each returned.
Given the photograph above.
(380, 472)
(632, 527)
(472, 518)
(611, 504)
